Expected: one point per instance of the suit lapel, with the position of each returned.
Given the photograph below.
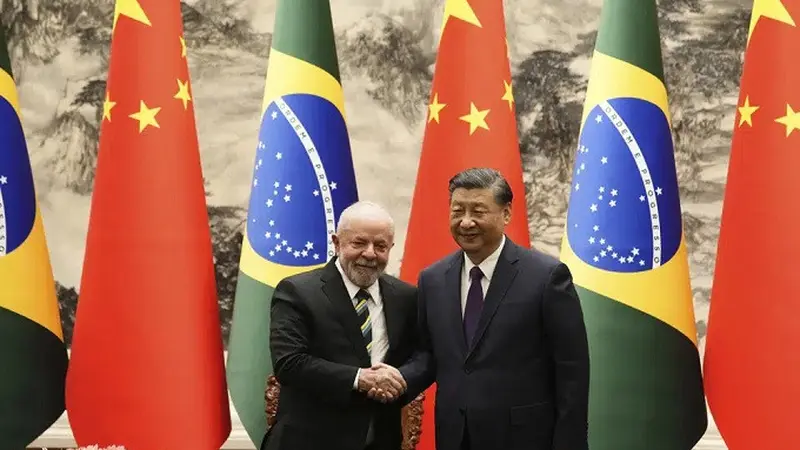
(453, 302)
(335, 290)
(392, 313)
(503, 276)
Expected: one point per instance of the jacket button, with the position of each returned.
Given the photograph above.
(467, 370)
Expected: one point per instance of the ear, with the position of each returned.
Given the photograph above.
(336, 242)
(507, 214)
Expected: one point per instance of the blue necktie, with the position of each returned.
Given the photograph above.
(472, 312)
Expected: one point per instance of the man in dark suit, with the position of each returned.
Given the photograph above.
(328, 328)
(502, 334)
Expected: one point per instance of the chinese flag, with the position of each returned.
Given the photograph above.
(752, 360)
(146, 369)
(471, 123)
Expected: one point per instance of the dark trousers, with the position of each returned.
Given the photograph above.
(465, 439)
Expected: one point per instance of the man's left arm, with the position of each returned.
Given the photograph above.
(566, 335)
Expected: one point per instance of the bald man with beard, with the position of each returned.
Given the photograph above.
(330, 329)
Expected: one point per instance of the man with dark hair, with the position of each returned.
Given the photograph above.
(501, 332)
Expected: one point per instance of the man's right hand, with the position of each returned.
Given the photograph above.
(382, 382)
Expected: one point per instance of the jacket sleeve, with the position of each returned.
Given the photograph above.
(565, 332)
(420, 370)
(293, 363)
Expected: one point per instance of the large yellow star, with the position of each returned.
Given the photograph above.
(183, 93)
(476, 118)
(460, 9)
(508, 95)
(791, 120)
(146, 116)
(132, 9)
(772, 9)
(435, 108)
(746, 112)
(107, 105)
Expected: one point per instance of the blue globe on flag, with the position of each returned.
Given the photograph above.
(624, 211)
(303, 179)
(17, 194)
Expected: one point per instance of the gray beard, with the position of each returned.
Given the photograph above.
(359, 277)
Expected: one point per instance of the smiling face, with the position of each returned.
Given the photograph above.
(477, 221)
(363, 249)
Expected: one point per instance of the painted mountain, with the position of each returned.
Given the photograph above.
(387, 50)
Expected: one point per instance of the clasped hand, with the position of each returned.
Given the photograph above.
(382, 382)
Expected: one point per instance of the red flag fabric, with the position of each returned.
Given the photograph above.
(147, 368)
(751, 360)
(471, 123)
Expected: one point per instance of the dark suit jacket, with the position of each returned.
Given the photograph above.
(524, 382)
(316, 347)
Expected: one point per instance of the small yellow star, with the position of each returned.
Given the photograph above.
(746, 112)
(107, 105)
(460, 9)
(183, 93)
(146, 116)
(183, 46)
(435, 108)
(771, 9)
(132, 9)
(791, 120)
(476, 118)
(508, 96)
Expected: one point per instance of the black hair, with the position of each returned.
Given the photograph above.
(483, 178)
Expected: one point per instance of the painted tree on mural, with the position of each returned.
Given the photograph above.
(390, 57)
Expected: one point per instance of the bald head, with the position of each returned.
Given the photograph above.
(364, 236)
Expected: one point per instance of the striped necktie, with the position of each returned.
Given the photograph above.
(362, 297)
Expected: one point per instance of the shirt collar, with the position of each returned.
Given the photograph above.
(352, 289)
(487, 265)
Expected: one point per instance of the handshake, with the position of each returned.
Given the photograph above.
(381, 382)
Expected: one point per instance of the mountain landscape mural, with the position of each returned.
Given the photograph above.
(387, 50)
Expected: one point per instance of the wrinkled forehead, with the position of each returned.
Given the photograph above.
(472, 198)
(369, 229)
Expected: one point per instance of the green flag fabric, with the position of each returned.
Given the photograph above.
(303, 178)
(625, 246)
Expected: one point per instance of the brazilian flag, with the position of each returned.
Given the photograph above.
(303, 178)
(33, 356)
(625, 246)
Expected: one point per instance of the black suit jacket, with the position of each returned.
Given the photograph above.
(524, 381)
(317, 347)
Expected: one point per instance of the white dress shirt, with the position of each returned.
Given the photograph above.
(380, 339)
(487, 267)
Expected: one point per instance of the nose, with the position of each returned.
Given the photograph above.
(467, 222)
(369, 252)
